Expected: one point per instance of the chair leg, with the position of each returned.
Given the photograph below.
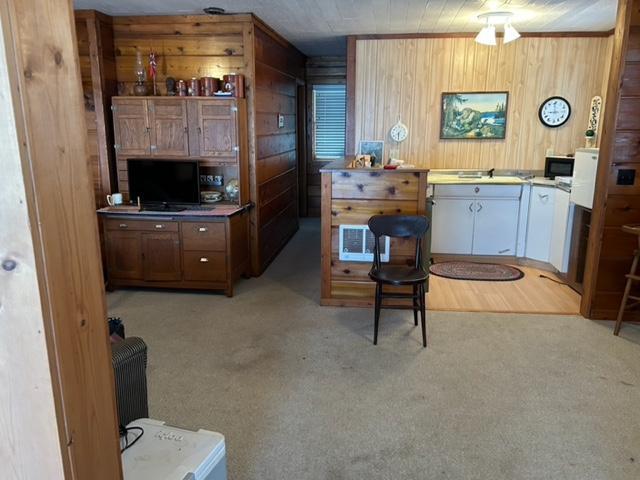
(625, 297)
(423, 314)
(377, 313)
(415, 305)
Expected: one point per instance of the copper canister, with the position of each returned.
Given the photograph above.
(207, 86)
(194, 87)
(234, 83)
(181, 88)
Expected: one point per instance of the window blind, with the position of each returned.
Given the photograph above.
(329, 107)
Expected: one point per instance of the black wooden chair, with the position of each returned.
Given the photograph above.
(400, 226)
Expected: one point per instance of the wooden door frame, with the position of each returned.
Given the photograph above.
(301, 153)
(606, 158)
(58, 402)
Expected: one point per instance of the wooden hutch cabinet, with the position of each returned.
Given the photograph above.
(210, 130)
(190, 249)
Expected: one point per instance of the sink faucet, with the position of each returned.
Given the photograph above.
(490, 172)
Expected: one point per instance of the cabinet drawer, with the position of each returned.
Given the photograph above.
(203, 236)
(205, 266)
(140, 225)
(472, 191)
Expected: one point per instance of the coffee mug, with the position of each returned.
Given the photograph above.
(115, 199)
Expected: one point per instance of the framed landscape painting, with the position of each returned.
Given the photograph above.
(474, 116)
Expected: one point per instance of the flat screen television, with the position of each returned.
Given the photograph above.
(164, 181)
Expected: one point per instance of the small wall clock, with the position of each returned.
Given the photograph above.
(554, 112)
(399, 132)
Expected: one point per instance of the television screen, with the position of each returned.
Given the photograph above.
(164, 181)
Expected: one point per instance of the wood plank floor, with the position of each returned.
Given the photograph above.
(530, 294)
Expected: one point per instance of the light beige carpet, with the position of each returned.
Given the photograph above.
(301, 393)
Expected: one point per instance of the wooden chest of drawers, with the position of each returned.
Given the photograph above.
(194, 253)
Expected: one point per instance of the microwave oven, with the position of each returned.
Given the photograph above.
(558, 167)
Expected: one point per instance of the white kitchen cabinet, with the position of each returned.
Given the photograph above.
(540, 223)
(475, 219)
(495, 230)
(561, 232)
(452, 225)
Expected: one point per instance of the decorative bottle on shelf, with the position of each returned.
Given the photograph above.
(140, 88)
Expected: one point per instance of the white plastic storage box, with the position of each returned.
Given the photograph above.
(170, 453)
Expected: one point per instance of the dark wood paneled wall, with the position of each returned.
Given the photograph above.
(610, 250)
(319, 71)
(279, 68)
(186, 46)
(94, 32)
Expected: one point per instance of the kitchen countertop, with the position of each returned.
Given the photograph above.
(448, 177)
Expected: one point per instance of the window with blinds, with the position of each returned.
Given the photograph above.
(329, 110)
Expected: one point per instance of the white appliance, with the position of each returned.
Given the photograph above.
(561, 231)
(540, 222)
(170, 453)
(584, 177)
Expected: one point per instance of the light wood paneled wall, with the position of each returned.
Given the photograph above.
(407, 76)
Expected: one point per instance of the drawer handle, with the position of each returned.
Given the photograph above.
(204, 259)
(203, 229)
(159, 226)
(477, 189)
(471, 207)
(123, 225)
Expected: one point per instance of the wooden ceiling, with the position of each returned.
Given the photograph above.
(319, 27)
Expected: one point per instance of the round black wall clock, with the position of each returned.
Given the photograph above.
(554, 112)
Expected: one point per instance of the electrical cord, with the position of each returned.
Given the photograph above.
(124, 432)
(552, 279)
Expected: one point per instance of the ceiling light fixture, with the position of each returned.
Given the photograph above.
(214, 11)
(487, 35)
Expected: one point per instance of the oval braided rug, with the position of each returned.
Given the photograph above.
(487, 272)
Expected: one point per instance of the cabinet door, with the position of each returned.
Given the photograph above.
(496, 227)
(161, 253)
(452, 226)
(217, 129)
(124, 255)
(168, 119)
(540, 223)
(131, 126)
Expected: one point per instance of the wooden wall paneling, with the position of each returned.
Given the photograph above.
(248, 37)
(613, 205)
(278, 69)
(46, 83)
(406, 77)
(187, 46)
(97, 65)
(301, 149)
(28, 407)
(326, 241)
(319, 71)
